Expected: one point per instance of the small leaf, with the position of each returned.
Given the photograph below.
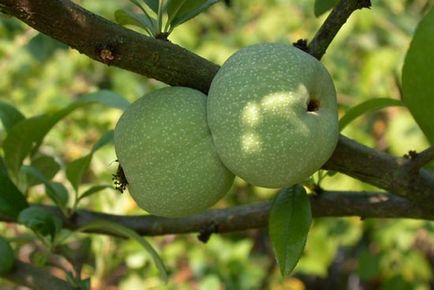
(366, 107)
(172, 8)
(12, 201)
(93, 190)
(288, 226)
(182, 11)
(124, 17)
(152, 20)
(104, 140)
(40, 221)
(418, 76)
(47, 165)
(37, 258)
(153, 4)
(7, 255)
(322, 6)
(55, 191)
(27, 135)
(77, 168)
(118, 229)
(9, 115)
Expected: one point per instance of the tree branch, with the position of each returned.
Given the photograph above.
(35, 277)
(336, 19)
(383, 170)
(327, 204)
(174, 65)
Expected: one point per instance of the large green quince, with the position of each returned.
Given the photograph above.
(273, 115)
(165, 148)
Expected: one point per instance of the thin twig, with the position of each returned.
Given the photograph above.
(336, 19)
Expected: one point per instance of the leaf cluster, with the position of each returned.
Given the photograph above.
(159, 18)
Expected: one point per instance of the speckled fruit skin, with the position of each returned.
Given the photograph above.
(259, 118)
(165, 148)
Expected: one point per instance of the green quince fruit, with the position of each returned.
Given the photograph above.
(273, 116)
(166, 151)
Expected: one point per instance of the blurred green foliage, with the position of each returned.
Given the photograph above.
(40, 75)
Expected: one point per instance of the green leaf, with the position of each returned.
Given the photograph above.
(155, 29)
(124, 17)
(40, 221)
(418, 76)
(288, 226)
(104, 97)
(12, 201)
(38, 258)
(180, 11)
(42, 47)
(27, 135)
(7, 255)
(9, 115)
(93, 190)
(118, 229)
(55, 191)
(322, 6)
(47, 165)
(77, 168)
(153, 4)
(365, 107)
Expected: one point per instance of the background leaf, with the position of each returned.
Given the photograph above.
(126, 232)
(9, 115)
(55, 191)
(12, 201)
(7, 259)
(47, 165)
(27, 135)
(288, 226)
(42, 47)
(40, 221)
(322, 6)
(77, 168)
(366, 107)
(418, 76)
(93, 190)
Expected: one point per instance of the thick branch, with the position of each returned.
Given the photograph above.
(35, 278)
(383, 170)
(333, 23)
(328, 204)
(112, 44)
(171, 64)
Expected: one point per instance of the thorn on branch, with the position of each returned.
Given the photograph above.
(206, 232)
(411, 154)
(301, 44)
(418, 160)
